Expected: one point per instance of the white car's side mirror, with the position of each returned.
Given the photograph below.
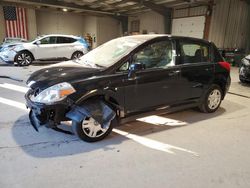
(38, 42)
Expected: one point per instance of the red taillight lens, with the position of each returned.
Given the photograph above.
(225, 65)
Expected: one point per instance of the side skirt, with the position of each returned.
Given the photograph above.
(130, 118)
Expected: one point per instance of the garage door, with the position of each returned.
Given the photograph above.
(190, 27)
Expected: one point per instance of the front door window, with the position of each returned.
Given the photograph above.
(156, 55)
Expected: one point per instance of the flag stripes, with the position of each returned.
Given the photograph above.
(15, 22)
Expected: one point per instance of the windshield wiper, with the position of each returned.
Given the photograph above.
(101, 66)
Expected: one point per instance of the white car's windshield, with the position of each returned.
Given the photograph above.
(112, 51)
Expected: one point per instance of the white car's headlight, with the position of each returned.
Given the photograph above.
(54, 93)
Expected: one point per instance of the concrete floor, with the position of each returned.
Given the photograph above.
(185, 149)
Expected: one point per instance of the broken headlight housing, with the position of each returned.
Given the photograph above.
(54, 93)
(245, 61)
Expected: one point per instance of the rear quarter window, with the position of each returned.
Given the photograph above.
(65, 40)
(192, 52)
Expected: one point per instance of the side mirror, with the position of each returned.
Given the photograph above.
(38, 42)
(133, 69)
(136, 67)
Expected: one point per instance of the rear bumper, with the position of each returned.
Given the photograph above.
(46, 115)
(228, 84)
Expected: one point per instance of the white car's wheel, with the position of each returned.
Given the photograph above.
(23, 59)
(90, 130)
(77, 55)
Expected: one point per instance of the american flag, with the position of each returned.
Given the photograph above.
(15, 22)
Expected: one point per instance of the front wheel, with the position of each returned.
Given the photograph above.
(212, 100)
(23, 59)
(90, 130)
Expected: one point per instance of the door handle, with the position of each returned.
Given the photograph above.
(197, 85)
(174, 73)
(209, 69)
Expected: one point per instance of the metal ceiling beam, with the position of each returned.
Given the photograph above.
(61, 4)
(157, 8)
(120, 2)
(248, 1)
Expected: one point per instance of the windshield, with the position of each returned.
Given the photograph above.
(110, 52)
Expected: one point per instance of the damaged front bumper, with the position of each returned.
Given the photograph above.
(51, 115)
(46, 115)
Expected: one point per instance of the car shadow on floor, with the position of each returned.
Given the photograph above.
(35, 63)
(44, 63)
(48, 143)
(6, 65)
(178, 119)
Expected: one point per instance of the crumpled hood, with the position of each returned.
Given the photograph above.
(61, 72)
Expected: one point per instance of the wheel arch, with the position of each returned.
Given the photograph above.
(221, 81)
(95, 107)
(100, 94)
(27, 51)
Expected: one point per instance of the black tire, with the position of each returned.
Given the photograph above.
(83, 134)
(242, 81)
(23, 58)
(207, 106)
(76, 55)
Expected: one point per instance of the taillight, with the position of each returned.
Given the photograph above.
(225, 65)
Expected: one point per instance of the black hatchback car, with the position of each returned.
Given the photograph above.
(127, 78)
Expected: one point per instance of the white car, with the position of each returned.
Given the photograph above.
(45, 48)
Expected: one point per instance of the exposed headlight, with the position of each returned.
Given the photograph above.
(54, 93)
(245, 61)
(8, 48)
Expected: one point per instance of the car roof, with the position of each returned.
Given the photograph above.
(154, 36)
(60, 35)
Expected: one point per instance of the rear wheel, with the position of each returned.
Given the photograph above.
(23, 59)
(212, 100)
(76, 55)
(90, 130)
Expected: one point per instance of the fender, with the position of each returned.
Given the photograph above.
(95, 108)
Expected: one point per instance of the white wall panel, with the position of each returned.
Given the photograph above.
(189, 27)
(149, 21)
(90, 26)
(107, 29)
(59, 23)
(32, 27)
(229, 24)
(101, 29)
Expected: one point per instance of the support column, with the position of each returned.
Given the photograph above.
(168, 22)
(248, 29)
(124, 22)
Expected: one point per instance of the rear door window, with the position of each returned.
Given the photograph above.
(194, 52)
